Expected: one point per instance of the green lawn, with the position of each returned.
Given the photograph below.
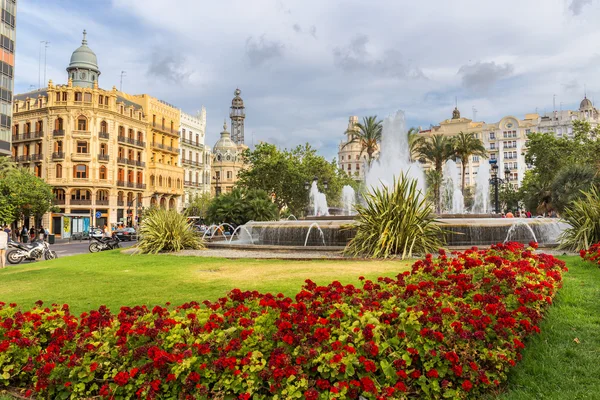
(554, 365)
(88, 281)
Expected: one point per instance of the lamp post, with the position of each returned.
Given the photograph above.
(496, 181)
(217, 179)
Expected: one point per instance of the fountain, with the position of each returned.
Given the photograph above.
(314, 224)
(482, 189)
(318, 201)
(451, 189)
(513, 229)
(239, 228)
(348, 200)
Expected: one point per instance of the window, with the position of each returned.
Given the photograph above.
(139, 156)
(131, 155)
(358, 167)
(59, 194)
(82, 147)
(65, 96)
(342, 158)
(492, 146)
(102, 195)
(229, 175)
(122, 110)
(58, 171)
(358, 157)
(140, 136)
(78, 96)
(120, 152)
(121, 131)
(130, 176)
(197, 139)
(82, 123)
(163, 123)
(140, 177)
(103, 126)
(153, 120)
(190, 174)
(80, 171)
(475, 158)
(131, 134)
(160, 181)
(58, 146)
(102, 173)
(101, 100)
(131, 112)
(80, 194)
(87, 97)
(170, 182)
(121, 174)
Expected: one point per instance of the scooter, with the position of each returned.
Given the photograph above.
(29, 251)
(102, 244)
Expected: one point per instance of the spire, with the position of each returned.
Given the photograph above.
(225, 125)
(84, 41)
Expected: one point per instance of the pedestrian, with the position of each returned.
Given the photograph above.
(42, 233)
(529, 215)
(24, 234)
(509, 214)
(7, 230)
(105, 231)
(32, 233)
(3, 247)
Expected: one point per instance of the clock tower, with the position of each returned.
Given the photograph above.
(237, 115)
(83, 69)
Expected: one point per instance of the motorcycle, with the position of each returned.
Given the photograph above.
(103, 243)
(29, 251)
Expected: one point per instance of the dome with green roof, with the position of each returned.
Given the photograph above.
(83, 69)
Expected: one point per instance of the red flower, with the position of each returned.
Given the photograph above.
(93, 366)
(311, 394)
(121, 378)
(244, 396)
(432, 373)
(194, 376)
(467, 385)
(368, 384)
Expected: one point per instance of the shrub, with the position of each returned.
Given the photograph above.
(570, 182)
(395, 221)
(592, 254)
(451, 328)
(583, 216)
(166, 230)
(241, 206)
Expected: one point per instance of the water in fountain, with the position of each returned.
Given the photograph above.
(514, 227)
(241, 239)
(314, 224)
(394, 156)
(455, 202)
(318, 202)
(482, 189)
(348, 200)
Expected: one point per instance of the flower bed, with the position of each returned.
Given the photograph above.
(592, 254)
(451, 328)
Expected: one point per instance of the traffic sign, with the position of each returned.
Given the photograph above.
(98, 214)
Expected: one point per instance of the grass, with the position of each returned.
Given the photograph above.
(563, 361)
(109, 278)
(554, 364)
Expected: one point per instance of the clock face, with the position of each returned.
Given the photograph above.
(82, 75)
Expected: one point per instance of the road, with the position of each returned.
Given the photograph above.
(78, 247)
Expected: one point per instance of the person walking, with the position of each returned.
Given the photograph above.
(3, 247)
(510, 215)
(24, 234)
(42, 233)
(32, 233)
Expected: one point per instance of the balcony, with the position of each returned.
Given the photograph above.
(191, 162)
(24, 158)
(121, 183)
(120, 203)
(81, 133)
(28, 136)
(140, 164)
(126, 140)
(130, 184)
(59, 202)
(58, 156)
(81, 202)
(81, 157)
(192, 143)
(104, 135)
(191, 184)
(36, 157)
(165, 147)
(58, 132)
(101, 202)
(103, 157)
(121, 160)
(164, 129)
(140, 186)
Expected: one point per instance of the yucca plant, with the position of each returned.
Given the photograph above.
(167, 230)
(396, 221)
(583, 216)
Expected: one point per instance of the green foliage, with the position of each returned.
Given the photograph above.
(395, 221)
(465, 146)
(283, 173)
(436, 150)
(241, 206)
(7, 211)
(6, 166)
(27, 194)
(570, 182)
(166, 230)
(583, 216)
(199, 205)
(368, 135)
(413, 139)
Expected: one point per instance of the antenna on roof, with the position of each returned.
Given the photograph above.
(474, 113)
(123, 73)
(456, 101)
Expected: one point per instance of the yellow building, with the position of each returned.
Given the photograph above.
(351, 159)
(107, 154)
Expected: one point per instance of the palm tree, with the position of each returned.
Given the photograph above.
(368, 135)
(467, 145)
(413, 137)
(436, 149)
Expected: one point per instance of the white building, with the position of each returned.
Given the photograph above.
(194, 156)
(351, 159)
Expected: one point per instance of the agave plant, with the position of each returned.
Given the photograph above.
(167, 230)
(395, 221)
(583, 216)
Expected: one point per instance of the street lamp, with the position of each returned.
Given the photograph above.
(495, 180)
(217, 178)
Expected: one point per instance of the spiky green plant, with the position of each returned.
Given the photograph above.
(583, 216)
(396, 221)
(167, 230)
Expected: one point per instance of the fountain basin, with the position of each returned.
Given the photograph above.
(464, 232)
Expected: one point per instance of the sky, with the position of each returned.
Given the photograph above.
(305, 66)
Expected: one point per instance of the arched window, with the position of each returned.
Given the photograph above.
(160, 181)
(170, 182)
(58, 171)
(80, 171)
(152, 180)
(102, 195)
(59, 194)
(120, 197)
(103, 149)
(129, 198)
(103, 127)
(178, 183)
(81, 123)
(102, 173)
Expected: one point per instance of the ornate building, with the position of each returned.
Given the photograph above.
(7, 70)
(227, 152)
(350, 159)
(194, 157)
(96, 148)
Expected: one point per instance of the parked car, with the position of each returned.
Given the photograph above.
(127, 234)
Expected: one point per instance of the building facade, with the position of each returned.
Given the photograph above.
(227, 158)
(104, 157)
(193, 157)
(351, 159)
(7, 72)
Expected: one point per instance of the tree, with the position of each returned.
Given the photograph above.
(436, 149)
(467, 145)
(241, 206)
(368, 135)
(413, 138)
(570, 182)
(199, 205)
(6, 166)
(28, 194)
(7, 211)
(283, 173)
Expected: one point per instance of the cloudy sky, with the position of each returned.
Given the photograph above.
(305, 66)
